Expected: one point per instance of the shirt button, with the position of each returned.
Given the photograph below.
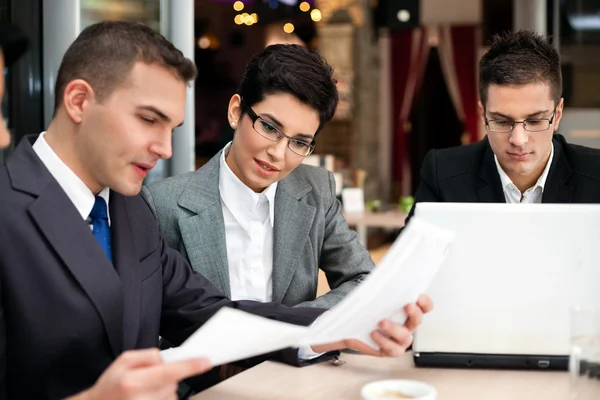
(255, 267)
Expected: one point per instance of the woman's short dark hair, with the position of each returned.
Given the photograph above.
(520, 58)
(295, 70)
(104, 54)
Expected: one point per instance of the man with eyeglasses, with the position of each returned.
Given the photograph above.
(522, 159)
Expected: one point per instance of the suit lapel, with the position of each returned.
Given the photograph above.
(127, 265)
(490, 187)
(556, 189)
(203, 234)
(72, 240)
(293, 220)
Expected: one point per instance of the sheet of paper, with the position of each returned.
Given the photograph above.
(403, 274)
(232, 335)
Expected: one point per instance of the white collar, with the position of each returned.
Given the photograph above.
(239, 198)
(541, 182)
(80, 195)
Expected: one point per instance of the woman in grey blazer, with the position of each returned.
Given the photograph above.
(254, 220)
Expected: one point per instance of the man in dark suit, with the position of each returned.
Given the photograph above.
(87, 284)
(522, 159)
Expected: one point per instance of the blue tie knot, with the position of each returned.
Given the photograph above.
(99, 211)
(100, 227)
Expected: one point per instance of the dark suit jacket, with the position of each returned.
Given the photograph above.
(468, 174)
(65, 311)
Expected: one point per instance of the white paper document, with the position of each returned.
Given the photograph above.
(232, 335)
(405, 272)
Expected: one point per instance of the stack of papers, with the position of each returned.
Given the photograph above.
(402, 275)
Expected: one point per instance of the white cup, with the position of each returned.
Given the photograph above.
(585, 353)
(394, 389)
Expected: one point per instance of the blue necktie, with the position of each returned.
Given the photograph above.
(101, 229)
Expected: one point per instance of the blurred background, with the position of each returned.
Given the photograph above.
(407, 72)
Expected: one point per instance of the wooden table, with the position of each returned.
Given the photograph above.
(385, 219)
(271, 380)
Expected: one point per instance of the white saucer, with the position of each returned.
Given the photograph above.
(394, 389)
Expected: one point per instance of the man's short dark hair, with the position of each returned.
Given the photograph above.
(104, 54)
(295, 70)
(520, 58)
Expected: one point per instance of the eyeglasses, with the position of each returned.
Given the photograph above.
(530, 125)
(268, 131)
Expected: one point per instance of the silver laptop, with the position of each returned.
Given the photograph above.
(503, 294)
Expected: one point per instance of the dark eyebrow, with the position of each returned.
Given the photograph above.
(539, 113)
(274, 120)
(156, 111)
(304, 136)
(500, 115)
(282, 127)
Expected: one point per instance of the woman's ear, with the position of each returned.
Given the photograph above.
(234, 111)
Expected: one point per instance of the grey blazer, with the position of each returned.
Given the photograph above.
(309, 233)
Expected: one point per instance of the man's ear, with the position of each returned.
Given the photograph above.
(77, 97)
(559, 113)
(481, 110)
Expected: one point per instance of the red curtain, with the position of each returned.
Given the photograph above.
(408, 50)
(464, 51)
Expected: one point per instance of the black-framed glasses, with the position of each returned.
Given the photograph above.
(530, 124)
(268, 131)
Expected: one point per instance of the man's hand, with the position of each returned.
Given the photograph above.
(142, 374)
(392, 339)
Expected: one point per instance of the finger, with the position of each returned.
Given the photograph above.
(388, 346)
(361, 347)
(169, 392)
(133, 384)
(425, 303)
(138, 358)
(169, 373)
(399, 334)
(166, 392)
(414, 317)
(324, 348)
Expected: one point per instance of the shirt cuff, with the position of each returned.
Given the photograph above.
(306, 353)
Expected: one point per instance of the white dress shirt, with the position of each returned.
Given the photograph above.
(249, 219)
(80, 195)
(532, 195)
